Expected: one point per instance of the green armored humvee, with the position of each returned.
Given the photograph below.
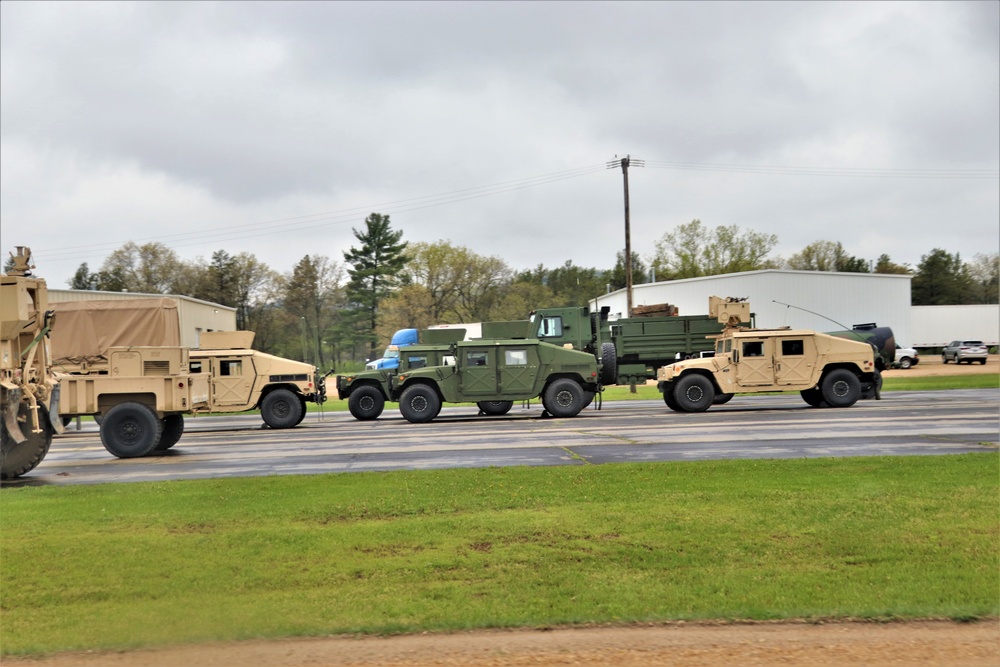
(490, 372)
(367, 392)
(494, 373)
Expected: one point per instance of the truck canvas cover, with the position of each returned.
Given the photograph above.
(86, 329)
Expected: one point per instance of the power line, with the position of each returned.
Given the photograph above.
(858, 172)
(325, 219)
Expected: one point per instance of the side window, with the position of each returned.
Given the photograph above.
(231, 367)
(753, 348)
(719, 347)
(792, 348)
(416, 362)
(475, 358)
(550, 327)
(729, 345)
(195, 366)
(516, 357)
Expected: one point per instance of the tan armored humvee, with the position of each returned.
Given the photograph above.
(244, 379)
(826, 370)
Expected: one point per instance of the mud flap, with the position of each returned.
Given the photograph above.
(54, 420)
(10, 416)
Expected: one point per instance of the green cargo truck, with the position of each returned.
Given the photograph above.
(630, 349)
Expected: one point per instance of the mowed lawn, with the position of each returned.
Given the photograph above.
(130, 565)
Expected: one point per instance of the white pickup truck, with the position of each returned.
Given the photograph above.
(906, 357)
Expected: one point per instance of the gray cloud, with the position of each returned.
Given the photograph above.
(201, 119)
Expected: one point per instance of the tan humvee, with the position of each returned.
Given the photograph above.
(244, 379)
(826, 370)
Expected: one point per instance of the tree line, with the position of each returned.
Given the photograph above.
(340, 312)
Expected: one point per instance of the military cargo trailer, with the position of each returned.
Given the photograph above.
(141, 401)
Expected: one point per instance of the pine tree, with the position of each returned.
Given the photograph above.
(373, 269)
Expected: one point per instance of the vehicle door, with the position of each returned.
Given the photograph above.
(479, 371)
(518, 369)
(232, 380)
(756, 362)
(795, 359)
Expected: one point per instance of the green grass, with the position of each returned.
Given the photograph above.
(130, 565)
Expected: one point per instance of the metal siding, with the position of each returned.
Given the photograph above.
(847, 298)
(936, 326)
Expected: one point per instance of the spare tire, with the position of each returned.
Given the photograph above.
(609, 363)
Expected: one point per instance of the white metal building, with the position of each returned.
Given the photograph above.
(836, 300)
(195, 315)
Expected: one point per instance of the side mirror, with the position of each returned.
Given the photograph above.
(736, 356)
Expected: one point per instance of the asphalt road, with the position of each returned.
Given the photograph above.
(780, 426)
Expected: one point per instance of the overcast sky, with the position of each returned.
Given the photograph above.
(276, 128)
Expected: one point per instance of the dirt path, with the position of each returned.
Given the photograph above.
(931, 365)
(929, 644)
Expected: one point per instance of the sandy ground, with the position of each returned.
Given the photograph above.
(931, 365)
(924, 643)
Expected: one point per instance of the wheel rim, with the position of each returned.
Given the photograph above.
(130, 432)
(694, 393)
(564, 399)
(366, 403)
(418, 404)
(281, 409)
(841, 388)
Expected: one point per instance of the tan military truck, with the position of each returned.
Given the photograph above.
(825, 369)
(29, 393)
(141, 400)
(239, 378)
(244, 379)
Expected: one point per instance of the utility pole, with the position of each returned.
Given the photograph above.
(624, 162)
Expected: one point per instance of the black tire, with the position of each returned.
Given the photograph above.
(303, 415)
(419, 403)
(609, 364)
(905, 363)
(840, 388)
(722, 398)
(693, 392)
(281, 409)
(870, 390)
(173, 428)
(366, 403)
(668, 398)
(563, 398)
(495, 407)
(944, 359)
(130, 430)
(982, 362)
(813, 397)
(19, 458)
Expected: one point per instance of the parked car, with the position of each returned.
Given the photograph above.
(906, 357)
(964, 350)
